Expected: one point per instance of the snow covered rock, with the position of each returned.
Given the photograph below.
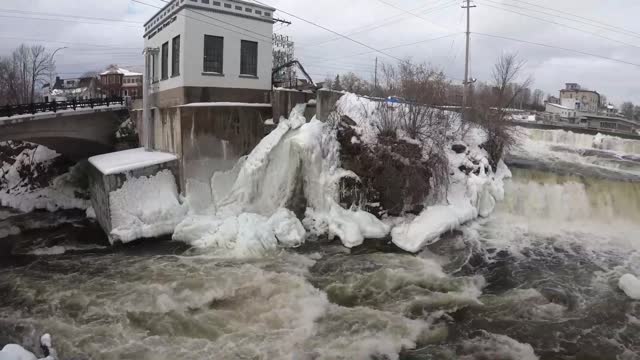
(630, 285)
(35, 177)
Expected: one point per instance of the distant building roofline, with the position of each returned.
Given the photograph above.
(170, 3)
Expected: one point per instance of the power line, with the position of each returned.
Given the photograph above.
(557, 47)
(411, 13)
(62, 20)
(67, 15)
(579, 17)
(68, 43)
(373, 26)
(563, 25)
(605, 27)
(334, 32)
(394, 47)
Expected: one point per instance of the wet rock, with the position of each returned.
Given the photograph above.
(458, 148)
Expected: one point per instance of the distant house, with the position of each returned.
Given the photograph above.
(121, 82)
(70, 89)
(576, 98)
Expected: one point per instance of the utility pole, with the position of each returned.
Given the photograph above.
(149, 54)
(465, 91)
(375, 80)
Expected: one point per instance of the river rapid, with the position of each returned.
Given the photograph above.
(536, 280)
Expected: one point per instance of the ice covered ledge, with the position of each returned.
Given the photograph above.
(132, 191)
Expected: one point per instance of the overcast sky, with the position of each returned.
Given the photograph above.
(93, 44)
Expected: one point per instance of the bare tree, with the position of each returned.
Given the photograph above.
(490, 108)
(41, 66)
(22, 72)
(627, 110)
(538, 95)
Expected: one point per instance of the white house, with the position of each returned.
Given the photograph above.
(210, 50)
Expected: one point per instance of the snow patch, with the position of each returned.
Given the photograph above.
(121, 161)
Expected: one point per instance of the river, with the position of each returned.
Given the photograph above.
(537, 279)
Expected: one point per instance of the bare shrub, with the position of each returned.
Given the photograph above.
(388, 120)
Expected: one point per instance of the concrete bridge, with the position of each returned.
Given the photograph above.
(76, 134)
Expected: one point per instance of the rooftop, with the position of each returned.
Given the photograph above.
(233, 7)
(122, 71)
(121, 161)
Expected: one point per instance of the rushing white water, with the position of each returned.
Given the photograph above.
(584, 141)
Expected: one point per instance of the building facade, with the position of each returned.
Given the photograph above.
(560, 113)
(121, 82)
(207, 50)
(576, 98)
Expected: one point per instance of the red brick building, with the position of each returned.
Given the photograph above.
(121, 82)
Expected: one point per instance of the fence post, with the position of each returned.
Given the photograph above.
(33, 108)
(74, 104)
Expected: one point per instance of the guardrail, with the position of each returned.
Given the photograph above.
(54, 106)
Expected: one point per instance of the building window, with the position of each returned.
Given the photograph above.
(165, 61)
(248, 10)
(228, 6)
(216, 3)
(175, 56)
(239, 8)
(249, 58)
(213, 54)
(205, 1)
(267, 13)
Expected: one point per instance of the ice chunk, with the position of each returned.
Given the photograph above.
(630, 285)
(287, 229)
(145, 207)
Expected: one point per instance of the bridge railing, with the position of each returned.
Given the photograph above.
(54, 106)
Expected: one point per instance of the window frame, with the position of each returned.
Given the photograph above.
(244, 66)
(175, 56)
(207, 66)
(164, 61)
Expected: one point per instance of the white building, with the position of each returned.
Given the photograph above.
(561, 112)
(210, 50)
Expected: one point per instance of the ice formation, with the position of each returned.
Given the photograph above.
(245, 208)
(630, 285)
(145, 207)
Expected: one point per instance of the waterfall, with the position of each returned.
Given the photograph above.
(583, 141)
(546, 196)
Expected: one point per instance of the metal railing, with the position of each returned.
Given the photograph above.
(54, 106)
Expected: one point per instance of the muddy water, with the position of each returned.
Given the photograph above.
(538, 279)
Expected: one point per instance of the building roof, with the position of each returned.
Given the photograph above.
(559, 106)
(579, 90)
(122, 71)
(240, 2)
